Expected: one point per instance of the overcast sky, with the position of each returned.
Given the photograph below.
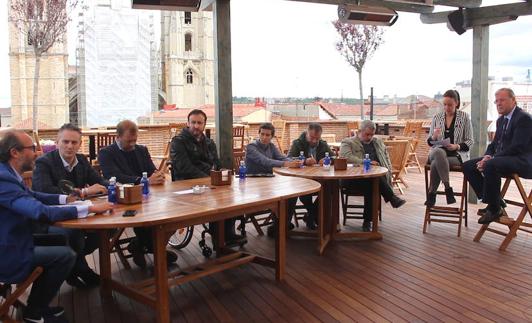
(287, 49)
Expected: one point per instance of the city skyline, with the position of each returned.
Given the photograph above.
(272, 58)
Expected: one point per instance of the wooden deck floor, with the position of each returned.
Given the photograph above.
(408, 276)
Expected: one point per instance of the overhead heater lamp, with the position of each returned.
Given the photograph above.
(366, 15)
(173, 5)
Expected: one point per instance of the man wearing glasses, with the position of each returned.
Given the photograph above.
(19, 205)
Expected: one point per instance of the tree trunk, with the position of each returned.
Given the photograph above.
(361, 95)
(36, 75)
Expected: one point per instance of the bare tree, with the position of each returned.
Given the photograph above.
(43, 24)
(357, 45)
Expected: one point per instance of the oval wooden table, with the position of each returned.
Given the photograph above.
(329, 197)
(165, 211)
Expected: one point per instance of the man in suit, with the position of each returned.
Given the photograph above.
(62, 164)
(509, 152)
(18, 206)
(193, 155)
(126, 161)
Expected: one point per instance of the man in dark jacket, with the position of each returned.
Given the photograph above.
(193, 155)
(509, 152)
(62, 164)
(314, 149)
(18, 206)
(126, 161)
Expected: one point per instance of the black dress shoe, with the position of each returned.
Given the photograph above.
(431, 200)
(90, 278)
(171, 257)
(366, 226)
(75, 281)
(137, 252)
(397, 202)
(490, 216)
(484, 210)
(449, 195)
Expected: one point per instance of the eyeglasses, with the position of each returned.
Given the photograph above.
(32, 147)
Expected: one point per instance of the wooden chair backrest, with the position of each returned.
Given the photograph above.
(352, 128)
(413, 129)
(279, 126)
(27, 178)
(104, 140)
(398, 151)
(238, 138)
(238, 156)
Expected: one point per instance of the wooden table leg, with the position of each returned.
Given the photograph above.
(105, 263)
(324, 223)
(161, 275)
(280, 242)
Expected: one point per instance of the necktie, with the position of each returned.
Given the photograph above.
(504, 126)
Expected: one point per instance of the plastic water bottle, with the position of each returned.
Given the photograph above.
(242, 170)
(145, 185)
(327, 161)
(302, 158)
(111, 190)
(366, 163)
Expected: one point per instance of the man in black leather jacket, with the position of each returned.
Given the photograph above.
(193, 155)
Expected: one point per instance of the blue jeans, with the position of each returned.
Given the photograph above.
(57, 262)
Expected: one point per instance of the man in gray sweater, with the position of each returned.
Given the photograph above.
(262, 155)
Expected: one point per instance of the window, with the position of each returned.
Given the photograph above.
(188, 18)
(188, 42)
(190, 78)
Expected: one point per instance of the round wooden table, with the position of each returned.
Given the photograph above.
(329, 198)
(165, 211)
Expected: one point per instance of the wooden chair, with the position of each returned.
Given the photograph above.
(238, 138)
(11, 297)
(352, 128)
(258, 219)
(279, 126)
(413, 129)
(512, 224)
(412, 160)
(446, 214)
(27, 178)
(398, 151)
(173, 130)
(104, 140)
(354, 211)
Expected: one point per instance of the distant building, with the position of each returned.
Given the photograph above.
(117, 63)
(522, 90)
(52, 99)
(5, 117)
(187, 58)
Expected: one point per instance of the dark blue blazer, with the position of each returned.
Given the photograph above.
(49, 170)
(517, 141)
(18, 207)
(113, 163)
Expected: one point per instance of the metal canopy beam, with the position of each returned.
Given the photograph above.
(483, 15)
(419, 7)
(458, 3)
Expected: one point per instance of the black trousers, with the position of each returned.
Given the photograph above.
(312, 207)
(365, 186)
(487, 185)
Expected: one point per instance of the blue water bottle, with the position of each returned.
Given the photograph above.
(111, 190)
(145, 185)
(302, 158)
(367, 163)
(327, 161)
(242, 170)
